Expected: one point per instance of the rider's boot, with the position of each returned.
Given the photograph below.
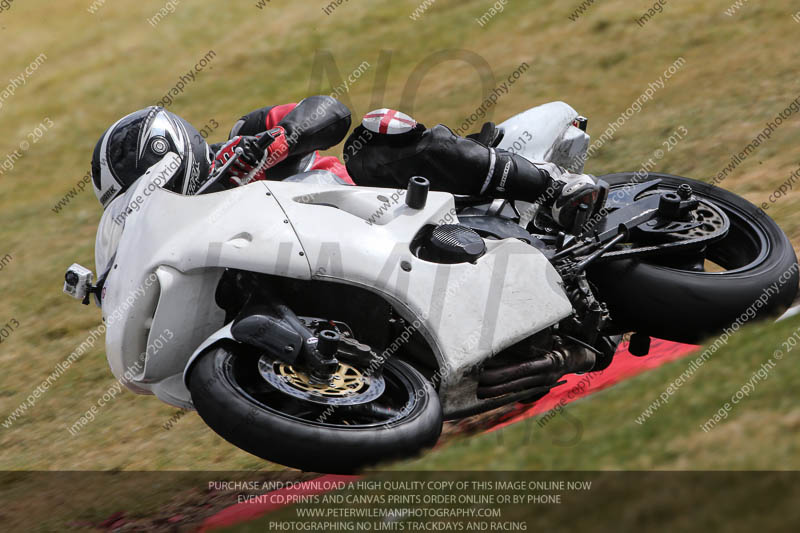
(567, 192)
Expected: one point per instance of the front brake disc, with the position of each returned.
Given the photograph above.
(347, 386)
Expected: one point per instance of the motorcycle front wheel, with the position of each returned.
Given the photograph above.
(290, 420)
(749, 274)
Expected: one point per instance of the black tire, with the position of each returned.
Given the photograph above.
(689, 306)
(216, 383)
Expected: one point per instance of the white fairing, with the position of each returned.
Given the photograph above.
(174, 248)
(555, 138)
(168, 260)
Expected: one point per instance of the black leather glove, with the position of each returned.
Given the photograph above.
(253, 153)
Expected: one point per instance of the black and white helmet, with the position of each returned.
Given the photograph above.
(138, 141)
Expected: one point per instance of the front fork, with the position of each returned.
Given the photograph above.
(268, 324)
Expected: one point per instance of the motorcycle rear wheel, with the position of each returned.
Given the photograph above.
(237, 403)
(686, 305)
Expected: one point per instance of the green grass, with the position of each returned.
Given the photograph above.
(740, 72)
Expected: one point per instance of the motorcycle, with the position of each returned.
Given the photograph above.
(329, 327)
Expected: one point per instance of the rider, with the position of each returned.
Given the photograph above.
(139, 140)
(387, 149)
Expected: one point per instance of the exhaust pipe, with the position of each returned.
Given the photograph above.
(536, 374)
